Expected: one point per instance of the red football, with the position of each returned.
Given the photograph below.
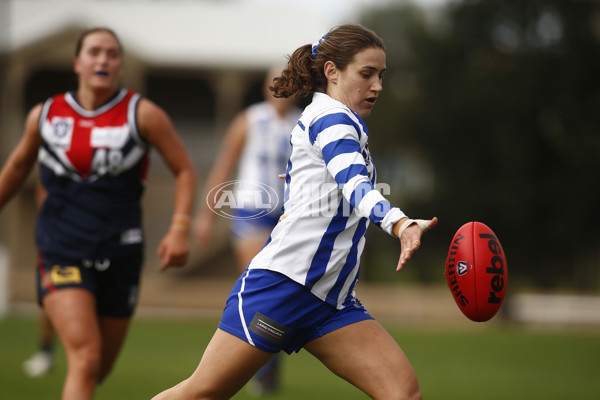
(476, 271)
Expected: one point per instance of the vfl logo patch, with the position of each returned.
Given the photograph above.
(462, 268)
(369, 163)
(61, 132)
(62, 128)
(268, 329)
(64, 275)
(367, 156)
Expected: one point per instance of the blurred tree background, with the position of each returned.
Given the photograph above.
(491, 112)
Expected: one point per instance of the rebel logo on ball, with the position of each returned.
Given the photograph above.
(476, 271)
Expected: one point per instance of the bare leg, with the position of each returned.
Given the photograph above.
(226, 366)
(113, 332)
(365, 355)
(91, 343)
(73, 315)
(46, 330)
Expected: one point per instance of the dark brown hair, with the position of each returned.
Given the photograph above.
(87, 32)
(305, 69)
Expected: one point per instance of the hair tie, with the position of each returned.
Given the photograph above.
(316, 45)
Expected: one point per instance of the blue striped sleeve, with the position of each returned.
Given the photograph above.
(346, 174)
(379, 211)
(359, 192)
(341, 146)
(328, 121)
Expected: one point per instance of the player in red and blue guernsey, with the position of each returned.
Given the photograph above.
(92, 145)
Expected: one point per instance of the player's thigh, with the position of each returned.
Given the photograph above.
(73, 315)
(227, 365)
(367, 356)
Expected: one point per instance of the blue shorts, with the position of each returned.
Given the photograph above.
(245, 224)
(272, 312)
(114, 282)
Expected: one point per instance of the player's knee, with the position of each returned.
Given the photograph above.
(405, 391)
(405, 395)
(86, 359)
(412, 391)
(416, 395)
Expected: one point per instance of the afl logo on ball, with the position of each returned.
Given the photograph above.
(462, 268)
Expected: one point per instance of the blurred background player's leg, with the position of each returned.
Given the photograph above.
(42, 361)
(266, 381)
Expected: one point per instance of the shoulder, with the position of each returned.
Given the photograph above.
(34, 116)
(32, 131)
(334, 116)
(35, 112)
(258, 111)
(324, 106)
(240, 123)
(153, 123)
(146, 107)
(258, 107)
(333, 124)
(150, 114)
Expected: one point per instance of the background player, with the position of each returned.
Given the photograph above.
(297, 292)
(93, 149)
(258, 143)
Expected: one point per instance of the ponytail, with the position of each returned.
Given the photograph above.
(305, 71)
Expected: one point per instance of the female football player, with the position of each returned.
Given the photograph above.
(297, 292)
(92, 146)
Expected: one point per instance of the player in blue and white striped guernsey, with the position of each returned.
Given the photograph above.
(298, 290)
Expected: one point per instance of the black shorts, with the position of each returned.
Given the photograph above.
(114, 282)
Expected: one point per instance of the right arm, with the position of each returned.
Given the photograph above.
(22, 159)
(156, 127)
(227, 159)
(343, 156)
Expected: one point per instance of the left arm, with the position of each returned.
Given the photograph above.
(156, 127)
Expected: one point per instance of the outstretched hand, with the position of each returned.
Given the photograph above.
(409, 232)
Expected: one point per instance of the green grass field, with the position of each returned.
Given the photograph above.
(486, 362)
